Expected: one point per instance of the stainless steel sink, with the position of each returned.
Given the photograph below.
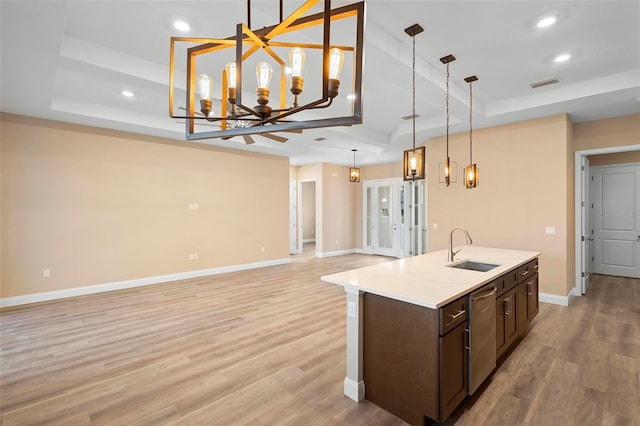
(474, 266)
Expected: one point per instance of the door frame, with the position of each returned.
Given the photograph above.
(579, 184)
(300, 213)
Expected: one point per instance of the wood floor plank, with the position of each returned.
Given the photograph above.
(267, 347)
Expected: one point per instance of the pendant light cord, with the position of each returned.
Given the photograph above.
(470, 123)
(447, 101)
(413, 99)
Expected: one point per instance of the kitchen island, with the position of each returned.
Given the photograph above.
(408, 326)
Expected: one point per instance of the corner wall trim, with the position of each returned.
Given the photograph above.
(336, 253)
(557, 300)
(121, 285)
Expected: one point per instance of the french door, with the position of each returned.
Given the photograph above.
(382, 217)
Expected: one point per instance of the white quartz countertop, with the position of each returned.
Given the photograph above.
(425, 280)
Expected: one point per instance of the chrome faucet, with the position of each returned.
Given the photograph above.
(452, 254)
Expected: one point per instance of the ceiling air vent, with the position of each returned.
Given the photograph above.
(320, 139)
(546, 82)
(410, 116)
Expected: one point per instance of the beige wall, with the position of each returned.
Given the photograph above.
(523, 189)
(617, 158)
(338, 206)
(97, 206)
(619, 131)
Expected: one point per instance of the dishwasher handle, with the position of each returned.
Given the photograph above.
(490, 292)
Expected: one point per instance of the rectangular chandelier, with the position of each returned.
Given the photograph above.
(287, 102)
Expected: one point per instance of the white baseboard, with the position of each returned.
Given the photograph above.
(557, 300)
(120, 285)
(336, 253)
(362, 251)
(353, 389)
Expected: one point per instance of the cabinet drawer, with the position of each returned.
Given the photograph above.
(527, 270)
(506, 282)
(453, 314)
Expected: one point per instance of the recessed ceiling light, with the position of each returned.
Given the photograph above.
(181, 26)
(546, 22)
(127, 93)
(562, 58)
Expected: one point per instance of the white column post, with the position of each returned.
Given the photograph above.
(353, 382)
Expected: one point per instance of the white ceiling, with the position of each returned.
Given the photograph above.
(69, 61)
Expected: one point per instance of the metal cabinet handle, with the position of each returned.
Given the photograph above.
(525, 272)
(489, 293)
(468, 331)
(535, 266)
(507, 312)
(530, 287)
(456, 316)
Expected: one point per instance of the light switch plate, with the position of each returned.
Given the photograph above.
(550, 230)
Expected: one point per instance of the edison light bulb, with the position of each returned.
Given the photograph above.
(336, 60)
(232, 79)
(205, 84)
(264, 73)
(413, 163)
(297, 58)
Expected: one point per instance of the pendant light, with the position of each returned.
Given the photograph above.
(471, 178)
(414, 158)
(448, 168)
(354, 172)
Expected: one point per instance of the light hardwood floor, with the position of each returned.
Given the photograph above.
(268, 347)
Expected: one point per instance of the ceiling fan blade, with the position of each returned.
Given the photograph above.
(197, 112)
(248, 139)
(274, 137)
(293, 131)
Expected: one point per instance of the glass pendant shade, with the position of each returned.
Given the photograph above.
(414, 164)
(471, 176)
(448, 172)
(354, 174)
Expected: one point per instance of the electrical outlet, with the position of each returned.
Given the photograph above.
(195, 256)
(550, 230)
(263, 249)
(46, 273)
(190, 256)
(352, 309)
(435, 226)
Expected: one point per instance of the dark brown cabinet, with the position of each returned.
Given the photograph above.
(506, 320)
(527, 297)
(454, 364)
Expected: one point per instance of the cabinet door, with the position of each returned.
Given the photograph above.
(506, 312)
(523, 309)
(453, 369)
(532, 297)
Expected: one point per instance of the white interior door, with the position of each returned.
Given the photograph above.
(616, 211)
(381, 217)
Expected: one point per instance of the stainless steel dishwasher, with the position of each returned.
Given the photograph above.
(482, 335)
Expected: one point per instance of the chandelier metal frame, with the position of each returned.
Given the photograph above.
(282, 118)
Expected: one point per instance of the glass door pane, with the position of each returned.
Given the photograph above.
(385, 223)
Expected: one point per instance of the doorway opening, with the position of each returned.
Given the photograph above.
(584, 236)
(307, 217)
